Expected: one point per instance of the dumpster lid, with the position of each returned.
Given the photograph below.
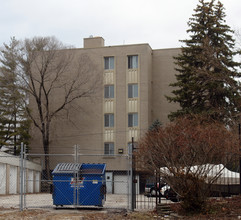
(92, 168)
(66, 168)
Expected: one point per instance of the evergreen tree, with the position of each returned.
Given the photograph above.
(155, 125)
(14, 124)
(207, 82)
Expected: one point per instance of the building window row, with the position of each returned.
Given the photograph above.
(109, 64)
(109, 147)
(132, 91)
(132, 62)
(132, 120)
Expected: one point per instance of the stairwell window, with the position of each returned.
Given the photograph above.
(109, 120)
(109, 63)
(132, 120)
(132, 91)
(133, 62)
(109, 148)
(109, 91)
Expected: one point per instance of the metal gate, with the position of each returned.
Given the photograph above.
(118, 183)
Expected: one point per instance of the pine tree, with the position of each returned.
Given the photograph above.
(14, 124)
(207, 82)
(155, 125)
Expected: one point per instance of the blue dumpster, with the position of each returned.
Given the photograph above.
(92, 190)
(64, 184)
(79, 184)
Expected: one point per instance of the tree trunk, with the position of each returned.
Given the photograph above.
(46, 156)
(15, 130)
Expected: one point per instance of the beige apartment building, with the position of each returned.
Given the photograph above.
(134, 81)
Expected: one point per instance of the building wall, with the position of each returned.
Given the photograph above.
(162, 75)
(84, 125)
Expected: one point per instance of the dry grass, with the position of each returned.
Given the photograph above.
(80, 215)
(229, 208)
(220, 208)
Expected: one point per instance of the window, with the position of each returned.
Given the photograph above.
(109, 148)
(109, 120)
(132, 91)
(132, 120)
(132, 62)
(109, 91)
(109, 63)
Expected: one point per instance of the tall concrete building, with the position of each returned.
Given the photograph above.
(134, 81)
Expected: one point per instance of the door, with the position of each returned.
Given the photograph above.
(3, 178)
(13, 175)
(30, 181)
(109, 182)
(37, 181)
(121, 184)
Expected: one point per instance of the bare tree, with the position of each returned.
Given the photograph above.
(53, 77)
(185, 152)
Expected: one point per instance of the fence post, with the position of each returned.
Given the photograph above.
(21, 178)
(155, 174)
(133, 175)
(159, 188)
(130, 178)
(25, 177)
(74, 176)
(77, 175)
(239, 132)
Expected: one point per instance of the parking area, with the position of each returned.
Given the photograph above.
(44, 200)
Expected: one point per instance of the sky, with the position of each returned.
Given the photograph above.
(161, 23)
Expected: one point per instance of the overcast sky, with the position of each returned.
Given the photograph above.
(161, 23)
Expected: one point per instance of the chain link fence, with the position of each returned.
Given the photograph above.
(82, 181)
(78, 180)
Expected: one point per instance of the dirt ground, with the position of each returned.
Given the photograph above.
(40, 206)
(74, 215)
(218, 209)
(224, 208)
(44, 200)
